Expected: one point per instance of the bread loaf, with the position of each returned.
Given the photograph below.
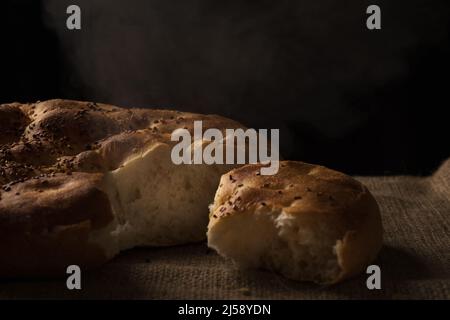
(306, 222)
(82, 181)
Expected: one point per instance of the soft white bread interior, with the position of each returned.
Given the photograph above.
(157, 203)
(306, 222)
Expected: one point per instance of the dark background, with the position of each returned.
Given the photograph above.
(365, 102)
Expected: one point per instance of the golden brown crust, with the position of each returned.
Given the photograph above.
(45, 224)
(53, 136)
(360, 246)
(44, 202)
(298, 188)
(53, 156)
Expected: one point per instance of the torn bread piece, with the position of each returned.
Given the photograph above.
(307, 222)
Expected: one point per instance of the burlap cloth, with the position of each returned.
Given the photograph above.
(415, 259)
